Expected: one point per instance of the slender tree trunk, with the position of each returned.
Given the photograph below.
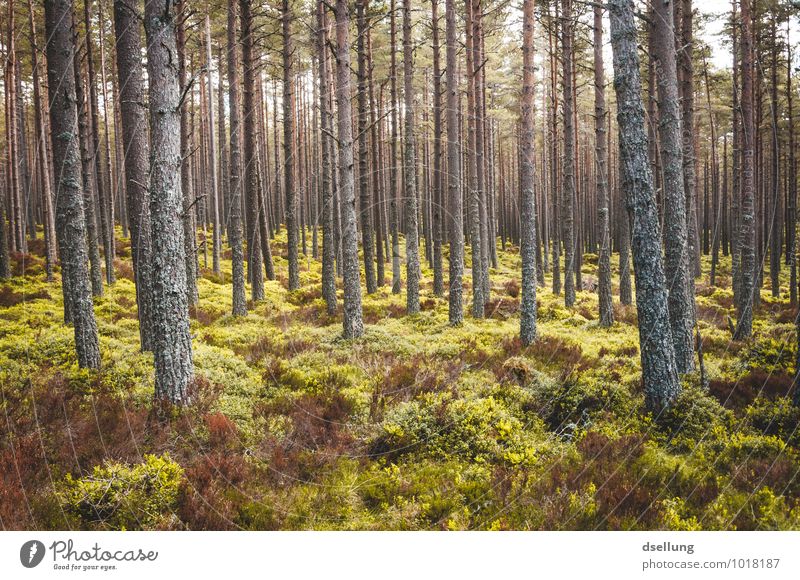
(365, 209)
(774, 229)
(659, 374)
(747, 234)
(438, 197)
(568, 203)
(172, 344)
(393, 190)
(326, 119)
(412, 237)
(189, 210)
(289, 145)
(71, 226)
(685, 56)
(527, 330)
(104, 206)
(478, 300)
(554, 185)
(480, 149)
(212, 158)
(137, 164)
(89, 185)
(353, 318)
(676, 263)
(253, 199)
(235, 167)
(717, 221)
(791, 243)
(44, 156)
(456, 228)
(601, 174)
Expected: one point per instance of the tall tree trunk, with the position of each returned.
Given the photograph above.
(104, 207)
(527, 328)
(214, 178)
(44, 155)
(568, 201)
(717, 221)
(365, 209)
(412, 236)
(456, 228)
(791, 243)
(554, 185)
(685, 55)
(774, 229)
(377, 171)
(438, 197)
(393, 190)
(601, 174)
(676, 263)
(235, 167)
(89, 183)
(172, 345)
(353, 318)
(189, 210)
(478, 300)
(289, 145)
(252, 197)
(659, 374)
(747, 233)
(71, 226)
(137, 164)
(480, 156)
(326, 120)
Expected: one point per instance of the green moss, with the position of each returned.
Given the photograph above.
(120, 497)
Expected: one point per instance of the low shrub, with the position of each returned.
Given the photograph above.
(120, 496)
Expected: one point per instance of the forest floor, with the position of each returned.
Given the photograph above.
(416, 425)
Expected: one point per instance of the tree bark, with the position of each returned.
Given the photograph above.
(352, 320)
(568, 201)
(71, 226)
(365, 206)
(172, 347)
(326, 119)
(137, 164)
(527, 310)
(747, 233)
(289, 145)
(601, 174)
(438, 197)
(393, 190)
(456, 228)
(189, 202)
(412, 235)
(235, 168)
(659, 374)
(676, 263)
(89, 184)
(214, 177)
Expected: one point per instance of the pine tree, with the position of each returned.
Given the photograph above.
(527, 202)
(659, 373)
(172, 344)
(70, 222)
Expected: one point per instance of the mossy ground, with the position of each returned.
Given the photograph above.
(415, 425)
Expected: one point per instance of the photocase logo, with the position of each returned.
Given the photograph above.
(31, 553)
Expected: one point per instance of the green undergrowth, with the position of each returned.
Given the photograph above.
(414, 425)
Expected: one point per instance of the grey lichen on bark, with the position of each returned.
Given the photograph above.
(527, 331)
(659, 374)
(172, 345)
(676, 262)
(70, 222)
(352, 320)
